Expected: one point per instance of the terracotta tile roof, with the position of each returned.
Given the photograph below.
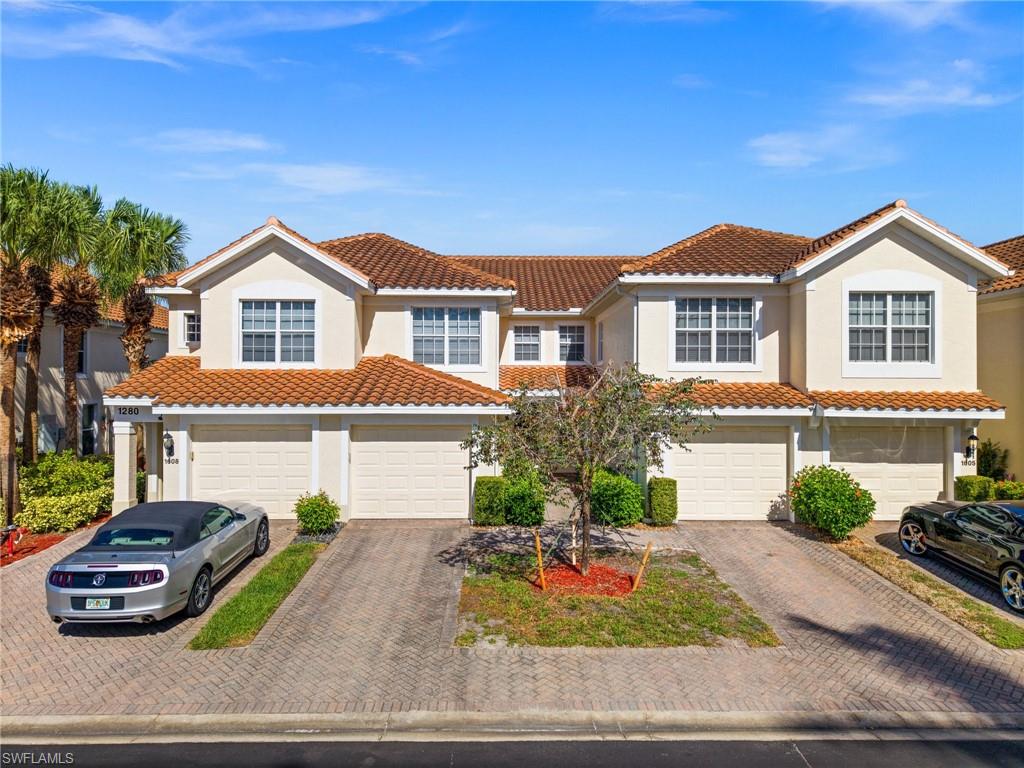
(724, 249)
(112, 311)
(1011, 253)
(550, 283)
(544, 377)
(749, 395)
(819, 244)
(906, 401)
(386, 380)
(394, 263)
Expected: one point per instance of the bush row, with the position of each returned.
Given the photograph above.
(61, 492)
(509, 501)
(981, 488)
(831, 500)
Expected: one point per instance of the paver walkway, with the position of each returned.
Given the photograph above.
(371, 626)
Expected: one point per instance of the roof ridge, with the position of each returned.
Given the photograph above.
(582, 257)
(652, 259)
(471, 386)
(817, 242)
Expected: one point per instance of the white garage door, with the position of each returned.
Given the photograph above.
(731, 473)
(266, 465)
(409, 472)
(899, 465)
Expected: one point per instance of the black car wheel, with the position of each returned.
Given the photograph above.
(912, 539)
(262, 538)
(1011, 580)
(199, 597)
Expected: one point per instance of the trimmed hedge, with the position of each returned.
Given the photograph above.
(831, 500)
(616, 500)
(1008, 490)
(316, 513)
(974, 488)
(664, 501)
(522, 500)
(44, 514)
(488, 508)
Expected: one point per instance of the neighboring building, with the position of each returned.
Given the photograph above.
(1001, 349)
(101, 365)
(358, 365)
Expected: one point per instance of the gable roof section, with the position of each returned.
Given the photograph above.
(376, 381)
(394, 263)
(113, 312)
(552, 283)
(545, 378)
(1011, 252)
(905, 401)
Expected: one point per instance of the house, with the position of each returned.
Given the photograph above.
(1001, 349)
(101, 365)
(358, 365)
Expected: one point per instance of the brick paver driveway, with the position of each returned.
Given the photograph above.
(371, 629)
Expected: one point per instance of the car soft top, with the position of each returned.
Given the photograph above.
(183, 519)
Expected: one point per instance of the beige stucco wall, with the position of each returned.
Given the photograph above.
(105, 366)
(275, 270)
(618, 332)
(797, 337)
(656, 349)
(177, 307)
(1001, 371)
(548, 337)
(892, 255)
(387, 330)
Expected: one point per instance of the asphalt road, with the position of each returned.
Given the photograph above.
(543, 754)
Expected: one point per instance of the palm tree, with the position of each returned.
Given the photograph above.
(21, 193)
(77, 296)
(139, 243)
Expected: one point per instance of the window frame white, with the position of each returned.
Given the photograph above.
(600, 341)
(277, 362)
(445, 306)
(198, 317)
(558, 343)
(539, 343)
(757, 332)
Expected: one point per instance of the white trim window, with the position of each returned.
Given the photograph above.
(714, 331)
(890, 327)
(83, 355)
(526, 343)
(192, 328)
(446, 336)
(600, 342)
(572, 343)
(274, 331)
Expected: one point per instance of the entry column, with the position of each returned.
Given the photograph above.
(125, 463)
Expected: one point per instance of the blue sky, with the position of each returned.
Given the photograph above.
(525, 128)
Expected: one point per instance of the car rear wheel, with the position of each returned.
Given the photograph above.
(199, 597)
(1011, 580)
(262, 538)
(912, 539)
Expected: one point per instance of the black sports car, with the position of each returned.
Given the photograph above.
(986, 537)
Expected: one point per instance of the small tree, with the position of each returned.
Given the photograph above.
(624, 420)
(993, 460)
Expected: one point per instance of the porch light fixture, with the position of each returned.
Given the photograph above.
(972, 447)
(168, 445)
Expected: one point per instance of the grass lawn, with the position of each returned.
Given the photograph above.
(980, 618)
(239, 620)
(681, 602)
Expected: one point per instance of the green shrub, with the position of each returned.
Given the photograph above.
(488, 506)
(62, 474)
(830, 500)
(664, 501)
(993, 460)
(616, 500)
(1010, 490)
(42, 514)
(316, 513)
(140, 486)
(522, 500)
(974, 488)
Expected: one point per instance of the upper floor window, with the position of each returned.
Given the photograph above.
(890, 327)
(278, 330)
(712, 330)
(83, 362)
(571, 348)
(600, 342)
(446, 335)
(23, 345)
(526, 341)
(193, 328)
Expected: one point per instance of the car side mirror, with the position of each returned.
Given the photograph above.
(238, 516)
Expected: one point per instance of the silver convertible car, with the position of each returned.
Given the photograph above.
(153, 560)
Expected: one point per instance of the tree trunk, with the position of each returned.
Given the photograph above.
(8, 456)
(585, 539)
(137, 308)
(72, 343)
(30, 425)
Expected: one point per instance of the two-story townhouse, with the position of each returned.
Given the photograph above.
(101, 365)
(1001, 350)
(358, 365)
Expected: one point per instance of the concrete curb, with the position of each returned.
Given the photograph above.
(486, 726)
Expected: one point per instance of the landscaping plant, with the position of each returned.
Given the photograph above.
(616, 500)
(993, 460)
(488, 508)
(831, 500)
(1010, 490)
(522, 500)
(317, 513)
(974, 488)
(61, 492)
(621, 418)
(663, 499)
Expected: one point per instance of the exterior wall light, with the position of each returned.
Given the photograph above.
(168, 445)
(972, 447)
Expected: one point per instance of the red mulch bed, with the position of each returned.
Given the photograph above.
(34, 543)
(564, 579)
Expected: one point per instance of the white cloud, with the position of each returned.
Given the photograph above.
(208, 32)
(690, 81)
(311, 180)
(911, 15)
(206, 141)
(922, 95)
(422, 50)
(405, 57)
(654, 11)
(835, 148)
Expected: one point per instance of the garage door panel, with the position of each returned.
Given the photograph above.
(732, 473)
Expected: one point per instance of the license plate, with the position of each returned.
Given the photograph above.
(97, 603)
